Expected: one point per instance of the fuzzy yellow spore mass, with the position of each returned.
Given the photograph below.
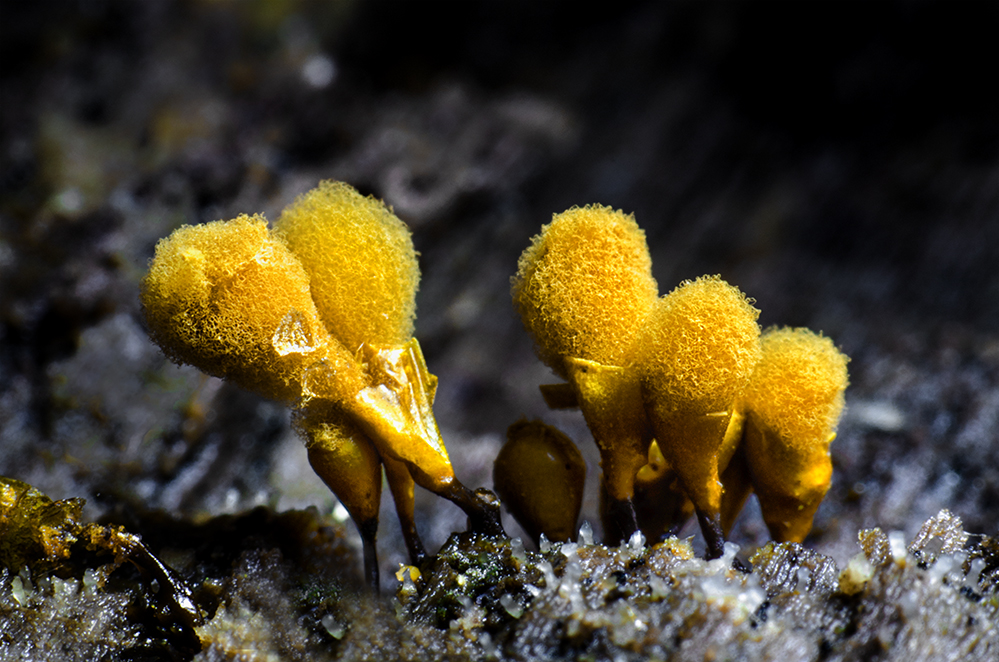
(797, 388)
(584, 287)
(231, 300)
(700, 345)
(360, 260)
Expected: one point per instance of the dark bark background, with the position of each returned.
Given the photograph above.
(839, 162)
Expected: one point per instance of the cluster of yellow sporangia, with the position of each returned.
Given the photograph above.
(318, 313)
(690, 408)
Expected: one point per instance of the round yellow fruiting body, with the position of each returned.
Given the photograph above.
(361, 262)
(539, 474)
(364, 274)
(700, 346)
(584, 286)
(231, 300)
(318, 314)
(794, 401)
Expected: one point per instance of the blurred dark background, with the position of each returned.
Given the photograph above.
(839, 162)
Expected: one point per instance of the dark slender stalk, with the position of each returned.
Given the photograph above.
(481, 506)
(712, 531)
(619, 520)
(401, 483)
(369, 532)
(417, 552)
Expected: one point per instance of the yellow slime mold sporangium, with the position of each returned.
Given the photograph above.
(364, 276)
(539, 474)
(700, 346)
(793, 402)
(360, 260)
(583, 289)
(231, 300)
(584, 286)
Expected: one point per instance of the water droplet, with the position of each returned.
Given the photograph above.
(291, 336)
(896, 541)
(586, 534)
(335, 629)
(517, 550)
(636, 543)
(17, 590)
(511, 606)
